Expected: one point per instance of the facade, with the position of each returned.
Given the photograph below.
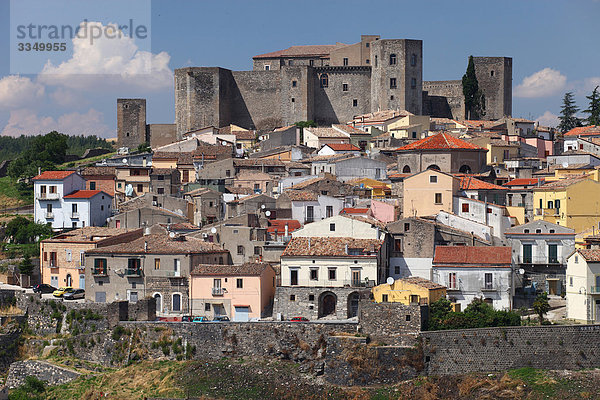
(145, 216)
(343, 226)
(412, 290)
(241, 292)
(475, 272)
(208, 205)
(319, 137)
(154, 265)
(165, 181)
(100, 178)
(62, 256)
(308, 206)
(132, 181)
(429, 192)
(541, 249)
(360, 167)
(583, 286)
(520, 194)
(488, 214)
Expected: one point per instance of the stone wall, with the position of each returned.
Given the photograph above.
(391, 323)
(444, 99)
(498, 349)
(51, 374)
(308, 302)
(131, 122)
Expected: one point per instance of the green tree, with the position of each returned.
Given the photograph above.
(594, 108)
(305, 124)
(26, 266)
(567, 117)
(144, 148)
(474, 97)
(541, 306)
(43, 152)
(23, 230)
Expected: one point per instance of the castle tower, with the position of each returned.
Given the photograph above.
(131, 122)
(397, 75)
(494, 75)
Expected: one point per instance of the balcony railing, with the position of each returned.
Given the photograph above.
(538, 260)
(74, 215)
(133, 271)
(173, 274)
(488, 288)
(595, 289)
(49, 196)
(217, 291)
(49, 215)
(547, 212)
(99, 271)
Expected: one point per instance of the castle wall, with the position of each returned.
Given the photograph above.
(196, 98)
(444, 99)
(131, 122)
(494, 75)
(161, 134)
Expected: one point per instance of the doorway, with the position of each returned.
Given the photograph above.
(327, 304)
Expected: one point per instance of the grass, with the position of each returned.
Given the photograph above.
(84, 161)
(10, 196)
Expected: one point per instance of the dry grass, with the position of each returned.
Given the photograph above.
(8, 311)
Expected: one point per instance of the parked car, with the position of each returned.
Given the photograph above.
(43, 288)
(74, 295)
(186, 318)
(200, 319)
(61, 291)
(220, 318)
(298, 319)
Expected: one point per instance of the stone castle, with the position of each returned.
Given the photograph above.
(324, 83)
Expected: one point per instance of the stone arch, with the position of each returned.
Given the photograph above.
(353, 299)
(434, 167)
(327, 304)
(324, 79)
(393, 59)
(406, 169)
(465, 169)
(69, 280)
(159, 301)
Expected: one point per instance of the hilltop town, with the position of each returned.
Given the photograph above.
(329, 207)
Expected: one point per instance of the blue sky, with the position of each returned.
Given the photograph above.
(554, 46)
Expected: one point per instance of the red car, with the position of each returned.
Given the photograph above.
(299, 319)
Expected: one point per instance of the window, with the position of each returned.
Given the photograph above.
(186, 175)
(311, 297)
(438, 198)
(398, 245)
(552, 231)
(291, 62)
(392, 83)
(100, 266)
(433, 179)
(576, 260)
(355, 103)
(324, 80)
(375, 60)
(344, 87)
(538, 231)
(345, 61)
(492, 73)
(102, 208)
(157, 263)
(413, 59)
(527, 253)
(257, 250)
(331, 227)
(227, 173)
(48, 208)
(550, 204)
(384, 298)
(160, 177)
(571, 281)
(140, 188)
(329, 211)
(406, 226)
(267, 67)
(240, 250)
(452, 280)
(413, 83)
(92, 185)
(332, 274)
(293, 277)
(161, 191)
(393, 59)
(465, 207)
(310, 213)
(488, 281)
(553, 253)
(314, 274)
(557, 204)
(206, 306)
(292, 297)
(294, 83)
(392, 97)
(239, 283)
(176, 304)
(293, 99)
(311, 62)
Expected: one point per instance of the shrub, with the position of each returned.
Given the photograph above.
(118, 332)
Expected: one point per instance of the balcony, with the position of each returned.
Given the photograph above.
(595, 290)
(538, 260)
(173, 274)
(99, 271)
(49, 215)
(488, 288)
(74, 215)
(547, 212)
(133, 272)
(49, 196)
(218, 291)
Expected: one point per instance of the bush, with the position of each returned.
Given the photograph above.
(478, 314)
(118, 332)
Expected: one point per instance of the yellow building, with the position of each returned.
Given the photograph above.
(428, 193)
(572, 202)
(411, 127)
(498, 150)
(378, 189)
(412, 290)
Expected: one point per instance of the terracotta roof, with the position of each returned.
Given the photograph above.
(89, 234)
(563, 183)
(181, 158)
(350, 210)
(301, 51)
(267, 162)
(161, 243)
(366, 219)
(210, 151)
(331, 247)
(327, 133)
(350, 129)
(590, 255)
(473, 123)
(162, 171)
(302, 195)
(467, 256)
(470, 183)
(440, 141)
(85, 194)
(380, 116)
(279, 225)
(307, 182)
(245, 135)
(582, 130)
(523, 182)
(425, 283)
(99, 171)
(53, 175)
(247, 269)
(342, 147)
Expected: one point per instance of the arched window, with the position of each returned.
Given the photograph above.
(434, 167)
(176, 302)
(69, 280)
(465, 169)
(393, 59)
(406, 169)
(158, 298)
(324, 80)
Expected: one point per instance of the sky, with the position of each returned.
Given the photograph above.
(553, 43)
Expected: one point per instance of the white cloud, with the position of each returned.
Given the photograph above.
(110, 63)
(27, 122)
(590, 83)
(544, 83)
(548, 119)
(68, 98)
(19, 91)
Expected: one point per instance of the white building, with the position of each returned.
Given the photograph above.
(493, 215)
(343, 226)
(60, 200)
(338, 148)
(475, 272)
(583, 286)
(308, 206)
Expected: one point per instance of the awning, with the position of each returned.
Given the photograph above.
(241, 305)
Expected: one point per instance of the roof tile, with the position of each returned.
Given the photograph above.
(440, 141)
(331, 247)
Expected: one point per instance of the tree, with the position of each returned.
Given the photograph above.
(144, 148)
(43, 152)
(567, 117)
(594, 109)
(541, 306)
(23, 230)
(474, 97)
(26, 267)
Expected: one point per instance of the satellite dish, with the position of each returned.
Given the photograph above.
(390, 281)
(268, 213)
(521, 271)
(565, 164)
(171, 235)
(224, 143)
(213, 230)
(262, 207)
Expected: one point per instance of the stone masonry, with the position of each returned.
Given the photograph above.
(51, 374)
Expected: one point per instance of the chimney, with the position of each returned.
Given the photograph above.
(39, 170)
(309, 243)
(346, 248)
(145, 246)
(287, 231)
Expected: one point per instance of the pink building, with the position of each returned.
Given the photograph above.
(240, 292)
(382, 211)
